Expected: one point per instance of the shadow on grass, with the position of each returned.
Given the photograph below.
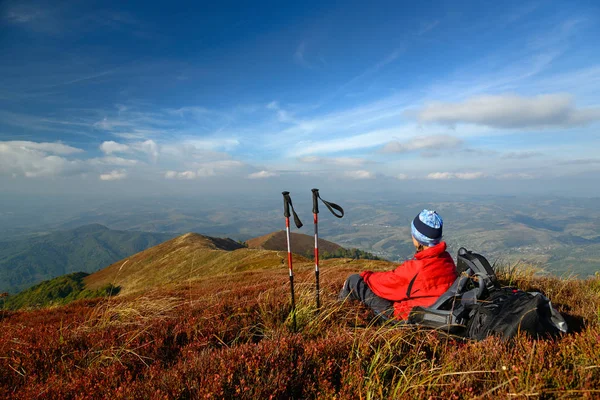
(575, 323)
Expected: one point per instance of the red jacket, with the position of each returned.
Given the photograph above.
(434, 270)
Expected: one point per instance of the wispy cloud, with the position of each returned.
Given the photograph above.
(262, 174)
(31, 159)
(206, 169)
(455, 175)
(359, 174)
(336, 161)
(362, 141)
(23, 15)
(521, 155)
(282, 115)
(52, 148)
(114, 175)
(181, 175)
(435, 142)
(511, 111)
(110, 147)
(148, 147)
(427, 26)
(516, 175)
(299, 55)
(112, 161)
(371, 70)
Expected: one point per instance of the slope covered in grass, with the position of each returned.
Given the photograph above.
(182, 260)
(229, 336)
(61, 290)
(87, 248)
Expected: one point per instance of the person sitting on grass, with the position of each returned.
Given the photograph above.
(416, 282)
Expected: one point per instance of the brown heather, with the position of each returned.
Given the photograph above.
(195, 321)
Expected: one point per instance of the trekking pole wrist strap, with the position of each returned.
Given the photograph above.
(330, 206)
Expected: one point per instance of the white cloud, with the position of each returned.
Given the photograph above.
(455, 175)
(262, 174)
(180, 175)
(52, 148)
(282, 115)
(188, 174)
(511, 111)
(217, 167)
(218, 143)
(434, 142)
(402, 177)
(149, 147)
(110, 147)
(359, 174)
(111, 160)
(338, 161)
(520, 155)
(203, 170)
(31, 159)
(114, 175)
(361, 141)
(517, 175)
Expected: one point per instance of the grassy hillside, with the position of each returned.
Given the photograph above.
(61, 290)
(229, 336)
(88, 248)
(196, 321)
(182, 260)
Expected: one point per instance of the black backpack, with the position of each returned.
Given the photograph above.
(476, 306)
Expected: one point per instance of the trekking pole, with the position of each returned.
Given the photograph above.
(287, 203)
(331, 207)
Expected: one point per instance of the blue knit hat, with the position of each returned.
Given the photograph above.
(427, 228)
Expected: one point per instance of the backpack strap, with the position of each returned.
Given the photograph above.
(478, 264)
(410, 285)
(428, 317)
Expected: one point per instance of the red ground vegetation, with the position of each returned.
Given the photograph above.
(229, 337)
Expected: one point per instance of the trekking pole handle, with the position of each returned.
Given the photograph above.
(315, 196)
(286, 204)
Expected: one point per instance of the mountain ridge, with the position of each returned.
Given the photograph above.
(183, 259)
(300, 243)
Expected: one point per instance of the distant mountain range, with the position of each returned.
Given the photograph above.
(85, 249)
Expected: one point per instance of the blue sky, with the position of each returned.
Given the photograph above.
(389, 93)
